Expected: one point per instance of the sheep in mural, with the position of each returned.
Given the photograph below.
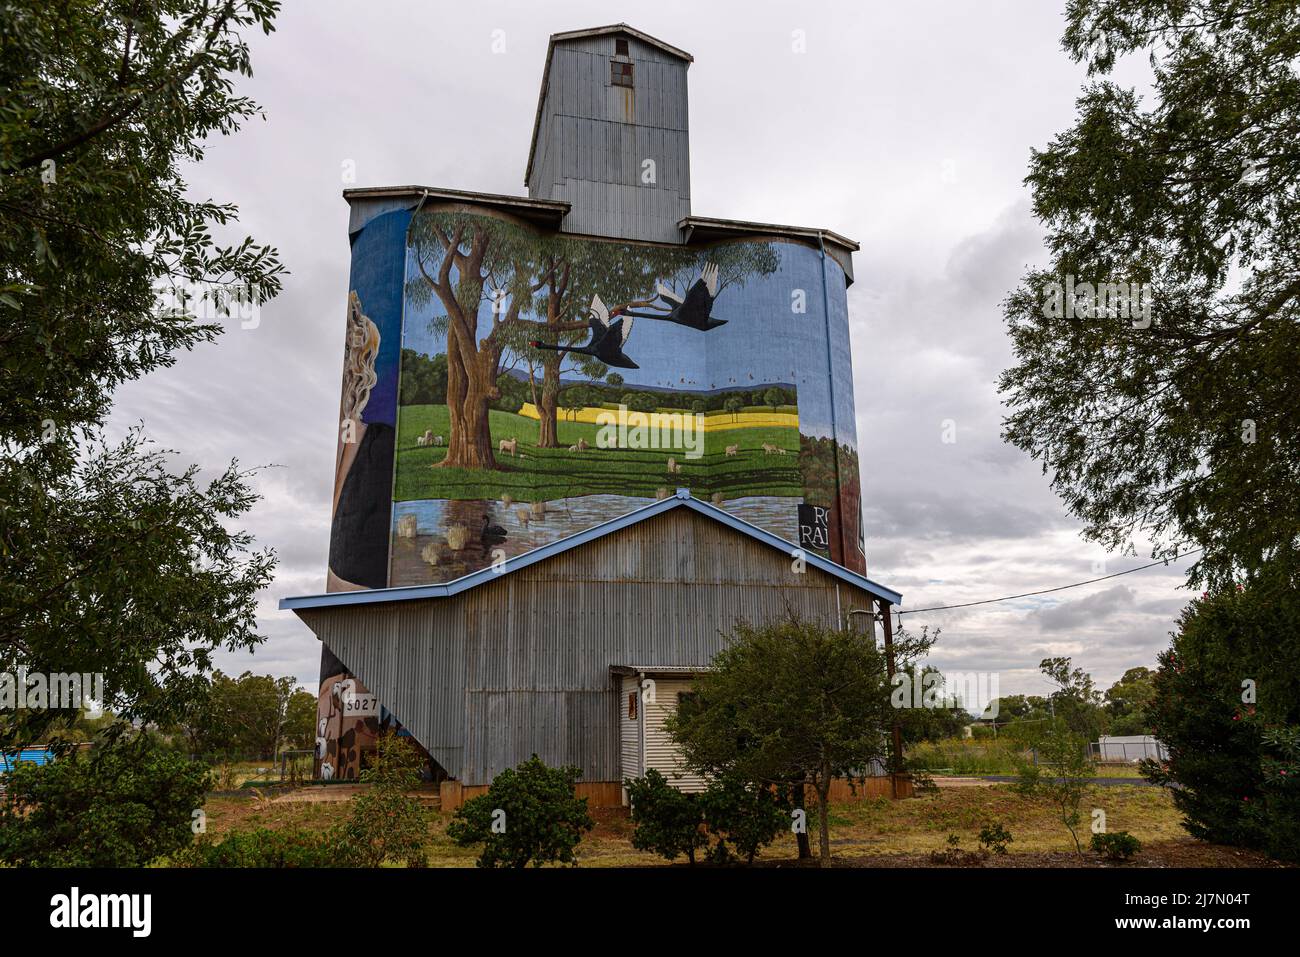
(509, 445)
(426, 438)
(673, 467)
(439, 440)
(733, 450)
(582, 445)
(769, 449)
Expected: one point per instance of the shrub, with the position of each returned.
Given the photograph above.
(1226, 705)
(528, 815)
(267, 848)
(749, 816)
(995, 838)
(955, 856)
(1116, 845)
(387, 823)
(668, 821)
(122, 805)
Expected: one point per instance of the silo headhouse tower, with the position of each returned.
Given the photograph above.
(581, 433)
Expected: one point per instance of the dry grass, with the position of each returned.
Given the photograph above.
(874, 832)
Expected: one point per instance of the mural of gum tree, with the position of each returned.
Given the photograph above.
(502, 284)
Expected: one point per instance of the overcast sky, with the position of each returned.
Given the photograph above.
(906, 126)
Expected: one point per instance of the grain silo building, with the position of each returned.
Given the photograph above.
(582, 432)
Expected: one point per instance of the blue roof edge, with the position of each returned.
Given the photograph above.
(683, 499)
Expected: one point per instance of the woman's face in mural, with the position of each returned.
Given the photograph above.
(359, 378)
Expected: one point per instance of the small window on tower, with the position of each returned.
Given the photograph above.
(620, 74)
(620, 47)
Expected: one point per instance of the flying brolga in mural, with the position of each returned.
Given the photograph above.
(607, 338)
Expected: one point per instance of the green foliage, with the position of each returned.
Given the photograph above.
(424, 379)
(387, 823)
(995, 838)
(1126, 702)
(1226, 706)
(249, 716)
(792, 701)
(639, 401)
(528, 815)
(1064, 766)
(114, 558)
(1116, 845)
(741, 817)
(1181, 426)
(929, 723)
(122, 805)
(265, 847)
(668, 822)
(746, 816)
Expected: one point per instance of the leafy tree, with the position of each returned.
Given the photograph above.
(639, 401)
(113, 559)
(667, 821)
(247, 716)
(1180, 423)
(300, 721)
(932, 724)
(734, 404)
(1226, 702)
(1126, 702)
(120, 806)
(387, 822)
(772, 398)
(1076, 700)
(792, 701)
(1064, 767)
(528, 815)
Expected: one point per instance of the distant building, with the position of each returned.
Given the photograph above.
(1133, 747)
(522, 370)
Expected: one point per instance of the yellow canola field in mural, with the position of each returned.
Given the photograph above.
(713, 422)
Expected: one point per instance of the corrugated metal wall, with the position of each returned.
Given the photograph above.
(521, 665)
(593, 138)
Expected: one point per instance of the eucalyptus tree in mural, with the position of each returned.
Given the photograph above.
(536, 287)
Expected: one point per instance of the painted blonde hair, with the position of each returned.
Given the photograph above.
(359, 375)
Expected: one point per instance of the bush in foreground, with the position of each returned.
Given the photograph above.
(123, 804)
(529, 815)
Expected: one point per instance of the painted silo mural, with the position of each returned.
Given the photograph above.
(549, 383)
(504, 388)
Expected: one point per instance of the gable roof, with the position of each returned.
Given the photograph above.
(682, 499)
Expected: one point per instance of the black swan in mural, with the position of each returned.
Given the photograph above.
(607, 338)
(694, 310)
(492, 534)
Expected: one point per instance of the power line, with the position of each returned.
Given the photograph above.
(1046, 591)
